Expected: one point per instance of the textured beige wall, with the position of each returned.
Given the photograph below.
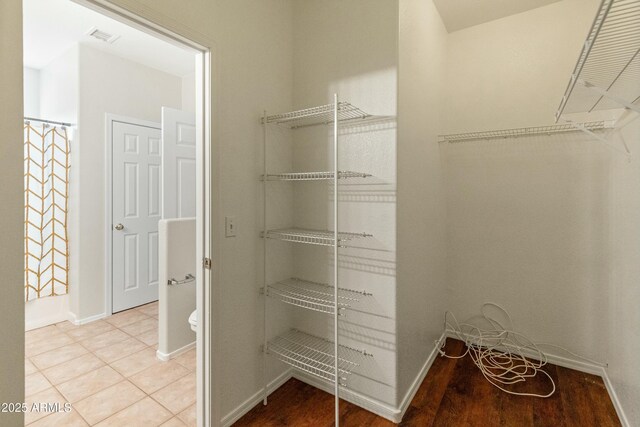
(421, 215)
(11, 211)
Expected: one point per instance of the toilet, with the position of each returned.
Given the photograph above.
(193, 320)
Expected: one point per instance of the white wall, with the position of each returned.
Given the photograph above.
(256, 73)
(421, 219)
(11, 212)
(31, 92)
(59, 92)
(177, 258)
(107, 84)
(189, 92)
(545, 226)
(620, 303)
(512, 72)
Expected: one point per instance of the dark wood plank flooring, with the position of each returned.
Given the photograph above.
(454, 393)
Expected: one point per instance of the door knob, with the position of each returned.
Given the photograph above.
(119, 227)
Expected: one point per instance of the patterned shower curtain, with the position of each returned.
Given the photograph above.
(46, 183)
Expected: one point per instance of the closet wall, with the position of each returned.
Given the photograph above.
(253, 72)
(620, 304)
(350, 48)
(545, 226)
(526, 218)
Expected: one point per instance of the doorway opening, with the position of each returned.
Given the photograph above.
(116, 115)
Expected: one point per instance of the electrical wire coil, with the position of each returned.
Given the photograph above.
(503, 355)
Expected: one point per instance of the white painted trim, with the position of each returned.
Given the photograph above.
(165, 357)
(72, 318)
(110, 119)
(371, 405)
(417, 382)
(256, 398)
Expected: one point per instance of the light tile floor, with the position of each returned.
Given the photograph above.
(109, 372)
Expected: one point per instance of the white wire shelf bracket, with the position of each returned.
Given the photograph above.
(314, 296)
(313, 176)
(312, 237)
(315, 355)
(528, 131)
(321, 115)
(607, 73)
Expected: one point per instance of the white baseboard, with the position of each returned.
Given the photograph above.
(614, 399)
(165, 357)
(72, 318)
(248, 404)
(371, 405)
(415, 385)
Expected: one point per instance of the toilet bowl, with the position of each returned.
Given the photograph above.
(193, 320)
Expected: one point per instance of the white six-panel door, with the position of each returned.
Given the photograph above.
(178, 163)
(137, 205)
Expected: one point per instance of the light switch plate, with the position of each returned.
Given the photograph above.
(229, 226)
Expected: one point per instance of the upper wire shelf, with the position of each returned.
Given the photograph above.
(529, 131)
(314, 296)
(315, 355)
(312, 237)
(321, 115)
(313, 176)
(607, 73)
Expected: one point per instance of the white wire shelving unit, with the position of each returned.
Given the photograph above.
(313, 237)
(314, 296)
(321, 115)
(320, 357)
(527, 131)
(315, 355)
(313, 176)
(607, 73)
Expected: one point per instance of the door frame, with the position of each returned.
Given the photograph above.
(132, 13)
(110, 119)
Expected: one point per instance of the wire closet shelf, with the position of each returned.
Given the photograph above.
(313, 237)
(315, 355)
(322, 115)
(607, 73)
(520, 132)
(314, 296)
(313, 176)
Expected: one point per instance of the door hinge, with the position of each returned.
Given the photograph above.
(207, 263)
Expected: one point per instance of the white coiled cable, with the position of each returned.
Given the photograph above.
(503, 355)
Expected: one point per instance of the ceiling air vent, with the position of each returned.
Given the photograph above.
(102, 35)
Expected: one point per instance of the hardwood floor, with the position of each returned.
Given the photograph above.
(454, 393)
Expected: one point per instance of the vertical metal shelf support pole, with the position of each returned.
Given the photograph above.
(264, 256)
(336, 385)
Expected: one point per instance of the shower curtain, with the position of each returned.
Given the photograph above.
(46, 183)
